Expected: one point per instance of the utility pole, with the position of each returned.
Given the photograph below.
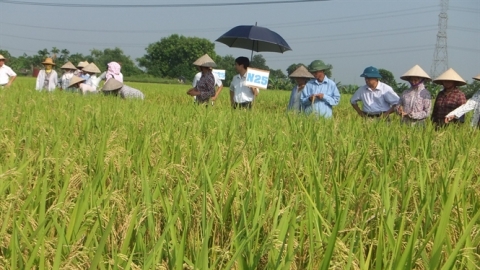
(440, 56)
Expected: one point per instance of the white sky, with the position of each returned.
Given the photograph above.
(349, 34)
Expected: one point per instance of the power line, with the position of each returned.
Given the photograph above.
(27, 3)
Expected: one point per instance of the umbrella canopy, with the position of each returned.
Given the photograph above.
(255, 38)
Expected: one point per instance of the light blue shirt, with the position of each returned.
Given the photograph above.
(376, 101)
(321, 107)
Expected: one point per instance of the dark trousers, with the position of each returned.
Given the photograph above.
(246, 105)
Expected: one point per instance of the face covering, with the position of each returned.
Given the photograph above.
(48, 68)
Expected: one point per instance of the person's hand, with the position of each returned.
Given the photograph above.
(319, 96)
(362, 114)
(449, 118)
(214, 98)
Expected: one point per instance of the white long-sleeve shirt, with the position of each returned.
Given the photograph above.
(472, 104)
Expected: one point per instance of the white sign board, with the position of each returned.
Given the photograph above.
(257, 78)
(220, 73)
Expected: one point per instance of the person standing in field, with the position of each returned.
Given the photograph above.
(321, 93)
(472, 104)
(116, 88)
(47, 78)
(218, 82)
(378, 99)
(415, 103)
(114, 72)
(68, 70)
(79, 83)
(205, 88)
(449, 98)
(7, 75)
(92, 70)
(301, 76)
(241, 95)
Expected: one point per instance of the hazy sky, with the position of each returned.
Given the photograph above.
(349, 34)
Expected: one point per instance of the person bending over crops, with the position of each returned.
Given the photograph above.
(320, 94)
(378, 99)
(241, 95)
(116, 88)
(205, 88)
(415, 103)
(449, 98)
(79, 83)
(47, 78)
(472, 104)
(7, 75)
(301, 76)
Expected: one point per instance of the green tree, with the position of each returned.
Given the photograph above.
(387, 78)
(258, 61)
(102, 58)
(173, 56)
(277, 73)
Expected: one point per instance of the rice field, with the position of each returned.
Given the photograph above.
(96, 182)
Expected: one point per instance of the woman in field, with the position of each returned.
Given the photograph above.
(68, 69)
(301, 76)
(415, 103)
(116, 88)
(79, 83)
(449, 98)
(472, 104)
(114, 72)
(47, 78)
(205, 88)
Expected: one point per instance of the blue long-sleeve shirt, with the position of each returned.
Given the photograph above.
(321, 107)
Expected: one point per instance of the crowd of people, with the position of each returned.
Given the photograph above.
(314, 93)
(81, 78)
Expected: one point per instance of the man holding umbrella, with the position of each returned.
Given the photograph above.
(321, 93)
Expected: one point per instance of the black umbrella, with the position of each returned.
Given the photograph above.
(255, 38)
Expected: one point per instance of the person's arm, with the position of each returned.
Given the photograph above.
(254, 91)
(354, 101)
(359, 111)
(332, 98)
(10, 81)
(468, 106)
(306, 97)
(392, 99)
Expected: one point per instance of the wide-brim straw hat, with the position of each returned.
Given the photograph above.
(205, 61)
(450, 75)
(415, 71)
(112, 85)
(91, 68)
(68, 65)
(477, 77)
(301, 72)
(75, 80)
(82, 64)
(48, 61)
(2, 57)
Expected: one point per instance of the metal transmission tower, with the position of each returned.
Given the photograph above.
(440, 56)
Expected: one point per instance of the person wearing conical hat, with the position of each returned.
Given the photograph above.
(378, 99)
(415, 103)
(116, 88)
(196, 78)
(91, 70)
(7, 75)
(450, 98)
(301, 76)
(472, 104)
(47, 78)
(205, 88)
(68, 70)
(79, 83)
(79, 72)
(321, 93)
(241, 95)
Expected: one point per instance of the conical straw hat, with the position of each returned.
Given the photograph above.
(75, 80)
(68, 65)
(415, 71)
(82, 64)
(301, 72)
(205, 61)
(450, 75)
(112, 85)
(477, 77)
(2, 57)
(48, 61)
(91, 68)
